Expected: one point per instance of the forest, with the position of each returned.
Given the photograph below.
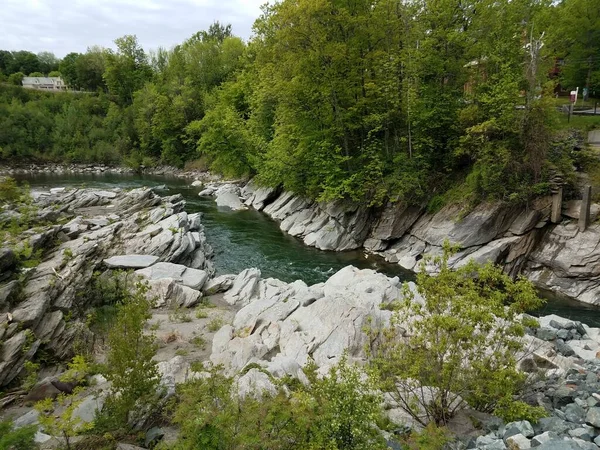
(369, 100)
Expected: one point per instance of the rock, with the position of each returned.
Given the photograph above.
(197, 183)
(229, 195)
(30, 418)
(130, 261)
(395, 220)
(593, 417)
(544, 437)
(123, 446)
(43, 389)
(58, 190)
(521, 427)
(244, 287)
(8, 293)
(89, 406)
(560, 445)
(192, 278)
(572, 209)
(207, 192)
(8, 259)
(563, 396)
(574, 413)
(518, 442)
(166, 291)
(564, 349)
(219, 284)
(490, 443)
(255, 383)
(584, 434)
(153, 436)
(41, 438)
(546, 334)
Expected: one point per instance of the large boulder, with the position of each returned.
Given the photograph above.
(193, 278)
(244, 287)
(228, 195)
(295, 322)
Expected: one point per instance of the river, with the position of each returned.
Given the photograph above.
(243, 239)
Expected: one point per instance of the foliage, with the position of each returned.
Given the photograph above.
(338, 411)
(129, 365)
(77, 370)
(21, 439)
(431, 437)
(64, 425)
(511, 410)
(455, 341)
(31, 370)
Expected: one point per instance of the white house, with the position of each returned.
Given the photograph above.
(44, 83)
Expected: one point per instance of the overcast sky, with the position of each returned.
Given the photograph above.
(73, 25)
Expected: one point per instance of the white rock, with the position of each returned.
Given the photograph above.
(130, 261)
(255, 383)
(244, 287)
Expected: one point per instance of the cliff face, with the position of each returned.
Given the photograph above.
(556, 257)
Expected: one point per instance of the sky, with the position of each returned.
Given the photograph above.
(68, 26)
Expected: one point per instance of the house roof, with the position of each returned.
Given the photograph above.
(41, 80)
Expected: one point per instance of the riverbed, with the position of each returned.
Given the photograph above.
(243, 239)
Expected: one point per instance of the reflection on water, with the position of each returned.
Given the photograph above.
(243, 239)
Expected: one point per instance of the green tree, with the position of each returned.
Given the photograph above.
(455, 341)
(127, 69)
(48, 62)
(68, 69)
(129, 367)
(16, 78)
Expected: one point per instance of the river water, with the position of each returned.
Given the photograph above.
(243, 239)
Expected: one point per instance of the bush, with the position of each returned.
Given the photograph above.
(21, 439)
(129, 365)
(338, 411)
(458, 345)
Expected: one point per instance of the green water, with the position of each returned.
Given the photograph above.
(243, 239)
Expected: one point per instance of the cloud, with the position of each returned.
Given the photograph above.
(74, 25)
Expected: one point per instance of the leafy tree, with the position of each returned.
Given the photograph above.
(16, 78)
(68, 69)
(129, 365)
(36, 74)
(54, 73)
(24, 61)
(48, 62)
(126, 70)
(455, 341)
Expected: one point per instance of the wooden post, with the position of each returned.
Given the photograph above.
(584, 213)
(556, 206)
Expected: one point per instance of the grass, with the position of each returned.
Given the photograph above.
(215, 324)
(585, 123)
(201, 313)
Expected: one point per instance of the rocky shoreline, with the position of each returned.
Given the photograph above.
(557, 257)
(262, 328)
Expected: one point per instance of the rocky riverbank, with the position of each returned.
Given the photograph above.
(258, 329)
(556, 257)
(97, 169)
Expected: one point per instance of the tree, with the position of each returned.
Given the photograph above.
(575, 38)
(129, 367)
(25, 62)
(16, 78)
(126, 70)
(455, 341)
(48, 62)
(68, 69)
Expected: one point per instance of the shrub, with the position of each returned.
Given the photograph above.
(21, 439)
(338, 411)
(458, 345)
(129, 365)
